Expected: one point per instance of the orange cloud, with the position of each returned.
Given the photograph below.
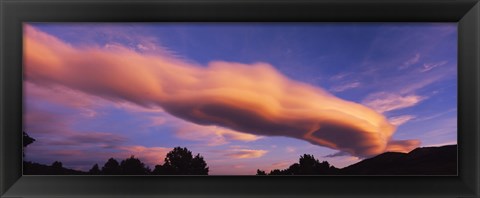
(403, 146)
(249, 98)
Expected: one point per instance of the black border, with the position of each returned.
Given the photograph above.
(14, 12)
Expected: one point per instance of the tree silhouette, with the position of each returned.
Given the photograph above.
(293, 169)
(133, 166)
(111, 167)
(94, 170)
(27, 139)
(308, 165)
(180, 161)
(160, 170)
(199, 166)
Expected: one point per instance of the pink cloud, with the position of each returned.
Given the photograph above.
(213, 135)
(290, 149)
(411, 61)
(403, 146)
(384, 102)
(59, 96)
(249, 98)
(149, 155)
(40, 119)
(345, 87)
(245, 153)
(279, 165)
(429, 66)
(34, 122)
(399, 120)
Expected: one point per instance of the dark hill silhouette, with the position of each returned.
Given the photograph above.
(420, 161)
(31, 168)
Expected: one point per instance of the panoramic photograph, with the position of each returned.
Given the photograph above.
(240, 99)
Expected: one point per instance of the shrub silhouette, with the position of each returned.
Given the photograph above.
(260, 172)
(180, 161)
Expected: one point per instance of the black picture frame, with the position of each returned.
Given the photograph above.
(15, 12)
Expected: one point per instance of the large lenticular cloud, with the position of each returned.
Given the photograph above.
(251, 98)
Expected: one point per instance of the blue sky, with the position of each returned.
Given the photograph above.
(406, 72)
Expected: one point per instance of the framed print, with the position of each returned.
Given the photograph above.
(247, 99)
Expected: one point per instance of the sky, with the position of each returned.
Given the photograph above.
(246, 96)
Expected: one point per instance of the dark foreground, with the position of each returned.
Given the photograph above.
(420, 161)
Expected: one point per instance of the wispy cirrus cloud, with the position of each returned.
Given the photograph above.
(384, 102)
(403, 92)
(249, 98)
(429, 66)
(411, 61)
(436, 115)
(344, 87)
(340, 76)
(399, 120)
(448, 128)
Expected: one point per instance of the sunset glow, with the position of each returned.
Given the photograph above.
(244, 96)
